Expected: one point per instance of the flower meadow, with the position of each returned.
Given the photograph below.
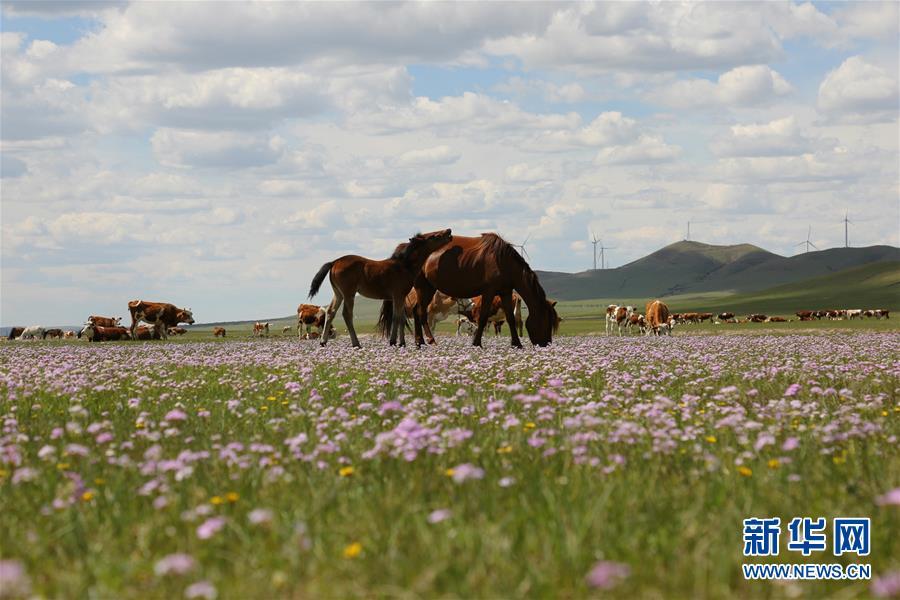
(618, 467)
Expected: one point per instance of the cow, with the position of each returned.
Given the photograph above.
(261, 329)
(622, 317)
(854, 313)
(32, 333)
(497, 316)
(98, 333)
(658, 320)
(311, 315)
(440, 308)
(804, 315)
(105, 321)
(161, 315)
(218, 331)
(142, 332)
(776, 320)
(705, 317)
(15, 332)
(882, 312)
(726, 316)
(69, 335)
(286, 330)
(177, 331)
(757, 318)
(637, 320)
(463, 323)
(611, 311)
(53, 334)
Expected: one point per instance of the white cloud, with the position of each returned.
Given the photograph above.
(776, 138)
(428, 157)
(647, 149)
(183, 148)
(742, 86)
(859, 91)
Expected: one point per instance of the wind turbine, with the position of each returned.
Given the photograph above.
(687, 238)
(594, 241)
(807, 242)
(521, 247)
(603, 254)
(846, 231)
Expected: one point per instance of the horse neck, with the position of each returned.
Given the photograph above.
(526, 289)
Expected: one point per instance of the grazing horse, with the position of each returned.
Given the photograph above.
(486, 266)
(389, 280)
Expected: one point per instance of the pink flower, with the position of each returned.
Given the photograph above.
(210, 527)
(887, 586)
(174, 564)
(176, 415)
(260, 516)
(891, 497)
(466, 471)
(13, 579)
(201, 589)
(607, 574)
(441, 514)
(790, 444)
(792, 390)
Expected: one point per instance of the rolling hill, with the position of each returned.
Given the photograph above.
(695, 268)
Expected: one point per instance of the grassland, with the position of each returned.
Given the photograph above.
(273, 468)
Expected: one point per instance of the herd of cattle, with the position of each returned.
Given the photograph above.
(161, 319)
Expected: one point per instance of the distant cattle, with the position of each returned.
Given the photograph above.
(32, 333)
(854, 313)
(617, 318)
(705, 317)
(177, 331)
(757, 318)
(726, 316)
(218, 331)
(638, 321)
(53, 334)
(882, 312)
(465, 325)
(261, 329)
(97, 333)
(69, 335)
(804, 315)
(286, 330)
(657, 315)
(161, 315)
(142, 332)
(15, 332)
(105, 321)
(496, 314)
(776, 320)
(439, 309)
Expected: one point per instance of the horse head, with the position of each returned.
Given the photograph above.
(542, 322)
(421, 245)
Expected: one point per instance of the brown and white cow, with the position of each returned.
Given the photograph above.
(105, 321)
(53, 334)
(496, 314)
(177, 331)
(97, 333)
(776, 320)
(882, 313)
(439, 309)
(658, 321)
(69, 335)
(726, 316)
(142, 332)
(705, 317)
(310, 315)
(638, 321)
(161, 315)
(218, 331)
(757, 318)
(854, 313)
(464, 324)
(15, 332)
(261, 329)
(804, 315)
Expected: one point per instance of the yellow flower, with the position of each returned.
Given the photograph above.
(711, 439)
(449, 472)
(139, 424)
(62, 466)
(264, 408)
(232, 497)
(346, 471)
(87, 496)
(773, 463)
(504, 449)
(270, 398)
(839, 459)
(99, 481)
(353, 550)
(530, 425)
(216, 500)
(884, 413)
(745, 471)
(3, 472)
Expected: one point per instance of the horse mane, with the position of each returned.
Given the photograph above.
(503, 250)
(403, 252)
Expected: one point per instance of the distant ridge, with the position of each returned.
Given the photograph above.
(693, 267)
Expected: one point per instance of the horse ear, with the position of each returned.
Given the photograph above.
(553, 303)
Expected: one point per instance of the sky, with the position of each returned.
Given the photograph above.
(214, 155)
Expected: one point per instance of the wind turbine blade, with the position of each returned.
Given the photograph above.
(813, 245)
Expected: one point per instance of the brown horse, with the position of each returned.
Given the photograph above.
(389, 280)
(486, 266)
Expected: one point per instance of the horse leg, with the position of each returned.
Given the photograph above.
(348, 319)
(424, 293)
(483, 316)
(509, 308)
(400, 317)
(332, 311)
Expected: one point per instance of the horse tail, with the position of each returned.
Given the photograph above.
(319, 278)
(385, 318)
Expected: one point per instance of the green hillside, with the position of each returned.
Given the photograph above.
(695, 268)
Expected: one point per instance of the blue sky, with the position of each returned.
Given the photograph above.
(214, 155)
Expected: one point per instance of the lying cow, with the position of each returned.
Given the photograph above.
(757, 318)
(177, 331)
(218, 331)
(105, 321)
(69, 335)
(97, 333)
(142, 332)
(161, 315)
(465, 325)
(776, 320)
(53, 334)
